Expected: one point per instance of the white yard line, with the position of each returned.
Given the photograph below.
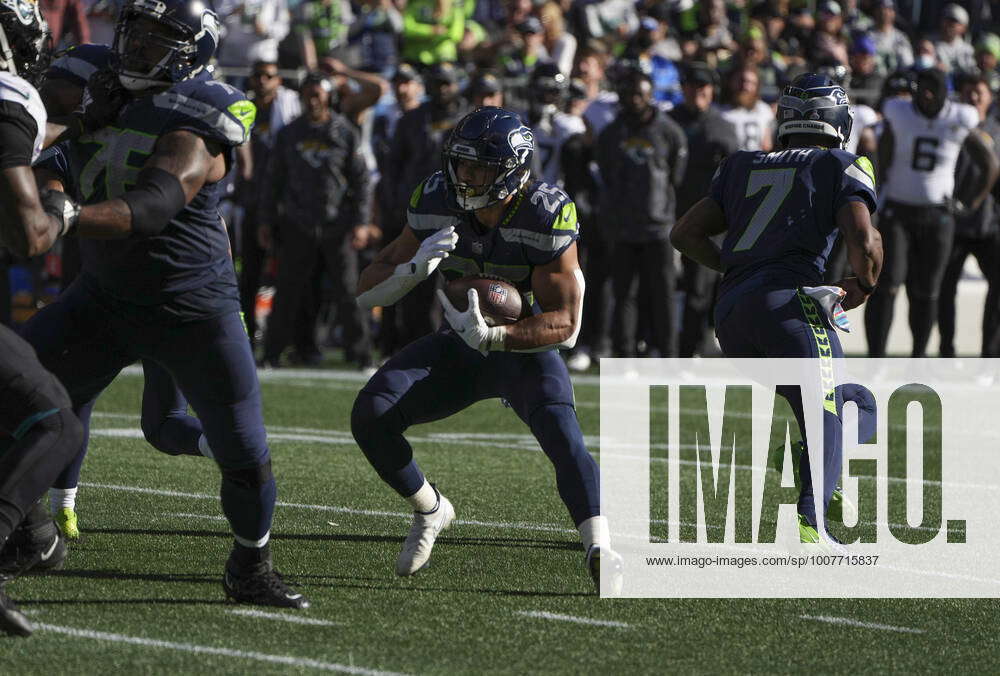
(507, 441)
(861, 625)
(286, 660)
(282, 617)
(551, 528)
(542, 615)
(197, 516)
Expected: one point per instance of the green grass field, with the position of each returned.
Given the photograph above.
(506, 592)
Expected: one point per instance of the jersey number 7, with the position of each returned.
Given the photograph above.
(778, 183)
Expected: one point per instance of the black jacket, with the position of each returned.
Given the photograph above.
(641, 164)
(710, 139)
(317, 181)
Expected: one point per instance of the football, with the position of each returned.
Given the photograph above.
(499, 300)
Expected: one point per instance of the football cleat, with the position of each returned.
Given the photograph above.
(841, 509)
(65, 519)
(824, 544)
(12, 620)
(423, 532)
(34, 550)
(261, 585)
(613, 565)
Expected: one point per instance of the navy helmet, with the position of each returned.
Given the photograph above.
(815, 104)
(498, 142)
(24, 40)
(161, 42)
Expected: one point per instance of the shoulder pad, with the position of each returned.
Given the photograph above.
(212, 109)
(546, 225)
(78, 63)
(428, 209)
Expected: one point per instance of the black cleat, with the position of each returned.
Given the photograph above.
(12, 620)
(32, 549)
(261, 585)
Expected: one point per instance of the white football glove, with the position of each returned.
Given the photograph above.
(471, 326)
(432, 251)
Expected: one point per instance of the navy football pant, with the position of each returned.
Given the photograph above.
(438, 376)
(785, 323)
(165, 421)
(86, 344)
(43, 433)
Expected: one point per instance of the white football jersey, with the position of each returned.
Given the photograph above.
(549, 140)
(864, 117)
(18, 90)
(925, 151)
(752, 126)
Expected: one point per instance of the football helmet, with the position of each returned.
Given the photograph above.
(495, 148)
(814, 104)
(161, 42)
(24, 40)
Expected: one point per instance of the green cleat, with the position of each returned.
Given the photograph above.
(841, 509)
(65, 519)
(807, 533)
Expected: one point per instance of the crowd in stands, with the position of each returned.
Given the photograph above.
(633, 104)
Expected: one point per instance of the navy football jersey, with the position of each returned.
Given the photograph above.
(780, 209)
(186, 269)
(539, 226)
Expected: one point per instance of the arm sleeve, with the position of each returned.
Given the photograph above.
(17, 135)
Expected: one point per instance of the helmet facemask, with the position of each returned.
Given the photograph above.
(24, 40)
(150, 53)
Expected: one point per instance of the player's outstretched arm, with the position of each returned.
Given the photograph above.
(558, 287)
(981, 152)
(692, 235)
(864, 251)
(182, 162)
(401, 265)
(34, 230)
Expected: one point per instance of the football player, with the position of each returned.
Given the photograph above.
(41, 433)
(744, 109)
(917, 153)
(773, 246)
(483, 214)
(166, 424)
(157, 282)
(547, 91)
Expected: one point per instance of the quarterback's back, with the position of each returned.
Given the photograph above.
(780, 209)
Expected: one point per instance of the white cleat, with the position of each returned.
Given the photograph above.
(423, 532)
(613, 569)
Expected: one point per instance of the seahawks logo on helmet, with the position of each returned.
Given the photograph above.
(522, 142)
(816, 105)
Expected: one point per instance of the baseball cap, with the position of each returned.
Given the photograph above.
(530, 25)
(442, 72)
(829, 7)
(863, 44)
(956, 13)
(484, 85)
(698, 73)
(989, 42)
(405, 73)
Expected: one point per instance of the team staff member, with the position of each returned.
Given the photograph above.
(710, 139)
(318, 194)
(975, 232)
(918, 151)
(641, 156)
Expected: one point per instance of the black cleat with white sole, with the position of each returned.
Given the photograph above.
(261, 585)
(12, 620)
(32, 550)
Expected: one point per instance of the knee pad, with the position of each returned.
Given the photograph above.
(248, 477)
